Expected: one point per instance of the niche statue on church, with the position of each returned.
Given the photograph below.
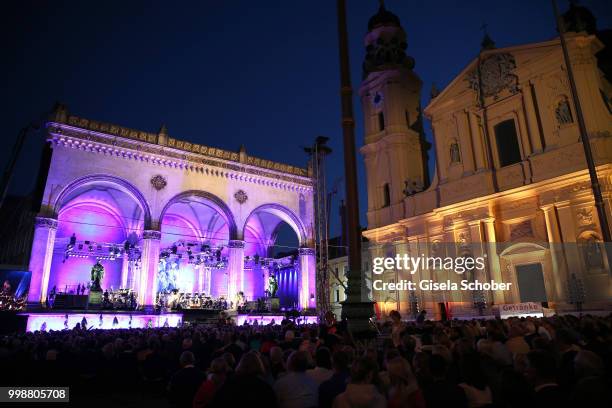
(97, 273)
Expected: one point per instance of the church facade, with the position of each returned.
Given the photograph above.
(160, 215)
(511, 182)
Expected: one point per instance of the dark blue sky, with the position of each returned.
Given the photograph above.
(225, 73)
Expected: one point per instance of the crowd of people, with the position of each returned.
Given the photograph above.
(519, 362)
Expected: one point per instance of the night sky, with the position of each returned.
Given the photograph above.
(224, 73)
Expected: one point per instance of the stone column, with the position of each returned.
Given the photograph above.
(307, 285)
(207, 280)
(532, 120)
(568, 234)
(557, 254)
(477, 142)
(235, 269)
(477, 235)
(125, 270)
(494, 266)
(41, 257)
(149, 268)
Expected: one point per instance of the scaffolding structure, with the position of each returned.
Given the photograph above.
(317, 153)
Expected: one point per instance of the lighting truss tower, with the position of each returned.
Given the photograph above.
(318, 152)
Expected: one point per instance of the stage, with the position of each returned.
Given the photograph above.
(111, 319)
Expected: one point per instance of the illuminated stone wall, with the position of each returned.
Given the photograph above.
(518, 213)
(110, 185)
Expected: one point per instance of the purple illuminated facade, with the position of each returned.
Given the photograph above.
(161, 214)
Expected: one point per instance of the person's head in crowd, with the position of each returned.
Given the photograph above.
(588, 364)
(187, 343)
(463, 345)
(390, 354)
(515, 390)
(400, 373)
(438, 367)
(218, 370)
(289, 336)
(420, 362)
(230, 360)
(250, 365)
(363, 371)
(298, 362)
(340, 361)
(187, 359)
(395, 316)
(276, 355)
(443, 351)
(564, 340)
(350, 352)
(408, 342)
(472, 372)
(541, 367)
(323, 358)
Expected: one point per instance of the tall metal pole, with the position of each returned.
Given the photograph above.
(584, 137)
(354, 309)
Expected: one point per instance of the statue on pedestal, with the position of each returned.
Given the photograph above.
(97, 273)
(272, 285)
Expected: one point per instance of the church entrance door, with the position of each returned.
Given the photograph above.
(531, 283)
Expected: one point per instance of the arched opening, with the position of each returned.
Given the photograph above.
(272, 236)
(99, 220)
(195, 231)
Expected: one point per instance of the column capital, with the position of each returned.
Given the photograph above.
(45, 222)
(488, 220)
(474, 223)
(306, 251)
(151, 234)
(235, 243)
(547, 207)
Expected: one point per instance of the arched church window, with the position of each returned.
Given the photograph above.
(455, 154)
(386, 195)
(563, 112)
(508, 149)
(381, 121)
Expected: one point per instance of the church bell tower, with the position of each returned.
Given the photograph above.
(395, 149)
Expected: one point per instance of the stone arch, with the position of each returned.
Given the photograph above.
(285, 215)
(212, 200)
(519, 254)
(122, 184)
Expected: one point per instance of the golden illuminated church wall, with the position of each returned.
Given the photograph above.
(527, 203)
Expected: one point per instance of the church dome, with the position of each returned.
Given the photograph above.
(579, 18)
(383, 18)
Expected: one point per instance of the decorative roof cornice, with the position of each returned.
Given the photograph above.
(210, 164)
(148, 137)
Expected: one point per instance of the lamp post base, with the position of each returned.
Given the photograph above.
(358, 315)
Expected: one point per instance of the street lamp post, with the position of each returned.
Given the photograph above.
(357, 311)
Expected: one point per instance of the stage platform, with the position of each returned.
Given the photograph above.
(276, 318)
(105, 319)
